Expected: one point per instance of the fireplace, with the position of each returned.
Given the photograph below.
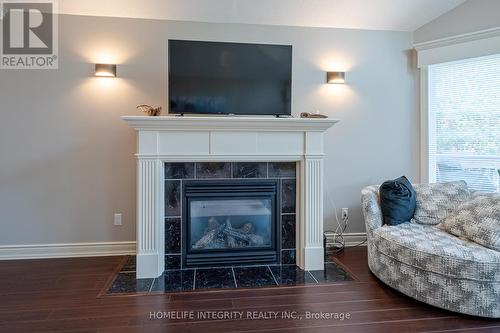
(225, 148)
(231, 222)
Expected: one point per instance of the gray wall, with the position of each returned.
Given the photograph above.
(67, 159)
(471, 16)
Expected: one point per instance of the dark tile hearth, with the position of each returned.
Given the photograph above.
(175, 280)
(251, 277)
(189, 280)
(127, 283)
(287, 275)
(129, 265)
(214, 278)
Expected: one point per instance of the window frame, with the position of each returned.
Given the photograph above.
(460, 47)
(428, 168)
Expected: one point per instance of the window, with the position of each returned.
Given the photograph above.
(464, 122)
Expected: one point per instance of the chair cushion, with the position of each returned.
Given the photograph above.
(477, 220)
(430, 249)
(436, 201)
(397, 201)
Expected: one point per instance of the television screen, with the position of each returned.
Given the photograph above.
(229, 78)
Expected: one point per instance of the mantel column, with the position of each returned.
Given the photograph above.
(150, 226)
(310, 252)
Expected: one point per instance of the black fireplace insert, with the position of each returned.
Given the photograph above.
(231, 222)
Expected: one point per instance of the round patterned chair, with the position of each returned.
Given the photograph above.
(431, 265)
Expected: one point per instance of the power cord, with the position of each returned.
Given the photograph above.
(338, 242)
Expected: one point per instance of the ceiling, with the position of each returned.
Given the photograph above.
(400, 15)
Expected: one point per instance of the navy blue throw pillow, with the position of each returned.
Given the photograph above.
(397, 201)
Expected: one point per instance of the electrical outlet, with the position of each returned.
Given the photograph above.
(118, 219)
(345, 213)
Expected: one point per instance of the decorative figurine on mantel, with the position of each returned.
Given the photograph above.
(316, 115)
(149, 110)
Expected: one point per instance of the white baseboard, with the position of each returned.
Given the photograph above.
(74, 250)
(41, 251)
(351, 239)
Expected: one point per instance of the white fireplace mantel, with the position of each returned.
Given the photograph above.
(232, 139)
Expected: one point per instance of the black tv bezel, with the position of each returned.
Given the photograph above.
(277, 114)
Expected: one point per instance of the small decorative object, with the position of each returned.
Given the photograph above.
(149, 110)
(312, 115)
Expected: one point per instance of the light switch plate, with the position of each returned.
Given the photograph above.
(118, 219)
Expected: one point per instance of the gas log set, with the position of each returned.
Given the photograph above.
(219, 235)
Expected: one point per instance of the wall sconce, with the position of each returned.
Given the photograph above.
(105, 70)
(335, 77)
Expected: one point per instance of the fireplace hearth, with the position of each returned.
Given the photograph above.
(231, 222)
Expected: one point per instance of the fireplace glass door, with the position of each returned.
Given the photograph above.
(230, 224)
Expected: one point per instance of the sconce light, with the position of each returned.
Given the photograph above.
(105, 70)
(335, 77)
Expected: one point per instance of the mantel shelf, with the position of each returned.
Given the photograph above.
(228, 123)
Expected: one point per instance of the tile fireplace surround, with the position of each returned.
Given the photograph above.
(178, 173)
(169, 139)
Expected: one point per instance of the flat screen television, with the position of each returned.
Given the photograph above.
(229, 78)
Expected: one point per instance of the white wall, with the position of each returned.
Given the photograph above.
(67, 159)
(472, 16)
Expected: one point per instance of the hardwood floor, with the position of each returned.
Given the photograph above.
(62, 295)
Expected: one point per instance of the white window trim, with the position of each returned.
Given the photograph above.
(424, 125)
(471, 45)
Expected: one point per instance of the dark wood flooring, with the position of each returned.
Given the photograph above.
(64, 295)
